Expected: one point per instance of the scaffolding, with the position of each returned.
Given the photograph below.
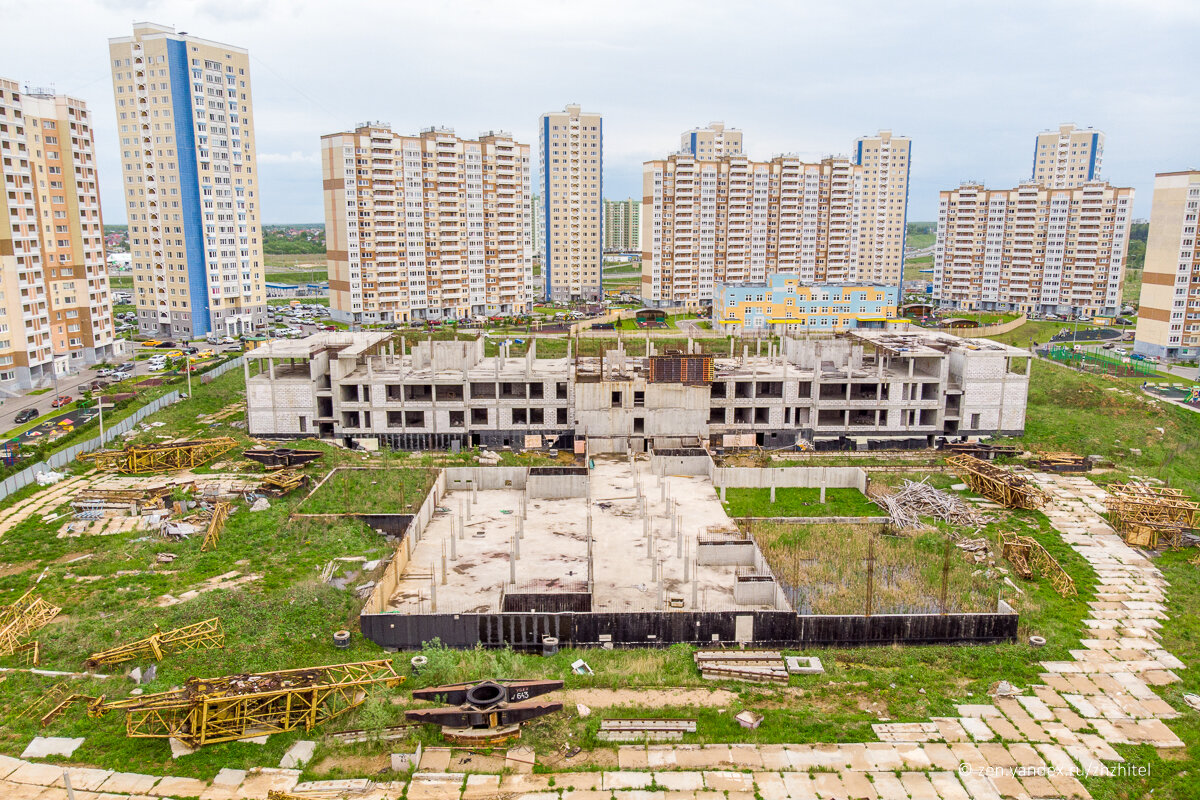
(1005, 487)
(212, 710)
(216, 522)
(1154, 535)
(1029, 558)
(21, 618)
(1133, 506)
(204, 635)
(148, 458)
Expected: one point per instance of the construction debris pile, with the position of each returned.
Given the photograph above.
(1002, 485)
(27, 614)
(1152, 517)
(212, 710)
(754, 666)
(918, 499)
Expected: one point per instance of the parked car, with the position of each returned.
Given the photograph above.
(175, 354)
(165, 344)
(26, 415)
(104, 372)
(61, 400)
(152, 343)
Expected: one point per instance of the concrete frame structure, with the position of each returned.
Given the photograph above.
(785, 304)
(623, 225)
(431, 226)
(862, 390)
(186, 126)
(571, 158)
(1033, 249)
(1068, 157)
(712, 142)
(1168, 323)
(55, 308)
(731, 219)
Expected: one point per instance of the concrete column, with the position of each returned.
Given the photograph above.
(443, 562)
(687, 560)
(589, 529)
(674, 524)
(520, 527)
(772, 493)
(512, 566)
(661, 593)
(722, 494)
(695, 586)
(432, 590)
(517, 545)
(653, 568)
(453, 546)
(822, 494)
(679, 543)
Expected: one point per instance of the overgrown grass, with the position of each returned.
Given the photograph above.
(370, 491)
(799, 502)
(823, 569)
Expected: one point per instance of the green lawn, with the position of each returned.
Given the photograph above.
(293, 259)
(915, 241)
(1131, 292)
(1090, 415)
(913, 267)
(317, 275)
(799, 502)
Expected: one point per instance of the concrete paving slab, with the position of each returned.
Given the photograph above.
(43, 746)
(84, 779)
(298, 754)
(129, 783)
(37, 774)
(888, 787)
(948, 786)
(918, 786)
(171, 786)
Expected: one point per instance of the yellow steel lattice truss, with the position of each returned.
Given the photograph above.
(1006, 488)
(142, 459)
(1028, 558)
(216, 522)
(201, 636)
(21, 618)
(1142, 513)
(208, 711)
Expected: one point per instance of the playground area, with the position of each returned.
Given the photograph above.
(1099, 362)
(1177, 392)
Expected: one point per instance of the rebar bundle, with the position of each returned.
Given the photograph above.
(918, 499)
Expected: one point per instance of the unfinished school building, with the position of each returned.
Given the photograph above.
(867, 389)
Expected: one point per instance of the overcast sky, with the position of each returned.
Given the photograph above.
(971, 83)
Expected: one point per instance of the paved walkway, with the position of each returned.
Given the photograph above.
(1033, 745)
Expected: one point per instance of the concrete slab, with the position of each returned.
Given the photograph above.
(43, 746)
(37, 774)
(129, 783)
(171, 786)
(298, 754)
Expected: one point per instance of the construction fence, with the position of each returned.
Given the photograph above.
(65, 456)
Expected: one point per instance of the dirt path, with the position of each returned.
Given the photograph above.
(649, 698)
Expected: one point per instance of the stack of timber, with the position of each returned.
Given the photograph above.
(754, 666)
(918, 499)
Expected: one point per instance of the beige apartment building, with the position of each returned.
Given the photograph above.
(714, 141)
(622, 225)
(1068, 157)
(186, 125)
(884, 160)
(428, 226)
(55, 311)
(1033, 249)
(571, 158)
(1168, 322)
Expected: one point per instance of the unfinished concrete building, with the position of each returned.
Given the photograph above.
(865, 390)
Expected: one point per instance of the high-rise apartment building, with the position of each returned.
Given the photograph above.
(1032, 248)
(884, 159)
(572, 184)
(622, 225)
(429, 226)
(714, 141)
(536, 223)
(1068, 157)
(55, 311)
(1168, 323)
(186, 125)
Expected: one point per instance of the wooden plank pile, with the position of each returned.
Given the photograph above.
(754, 666)
(918, 499)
